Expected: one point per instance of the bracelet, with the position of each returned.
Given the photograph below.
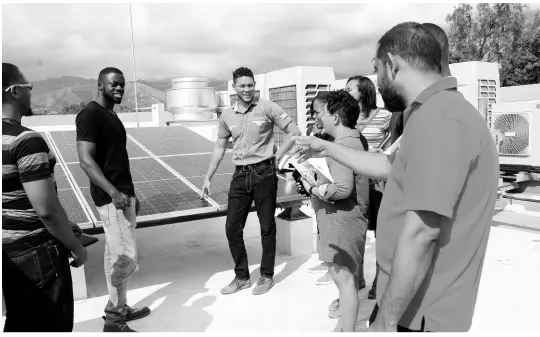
(311, 189)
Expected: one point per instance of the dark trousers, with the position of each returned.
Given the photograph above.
(258, 183)
(399, 327)
(36, 282)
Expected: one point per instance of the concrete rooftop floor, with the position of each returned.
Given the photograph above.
(183, 266)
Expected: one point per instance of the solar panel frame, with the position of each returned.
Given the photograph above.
(66, 194)
(197, 165)
(161, 193)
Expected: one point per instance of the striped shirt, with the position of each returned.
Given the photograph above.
(376, 130)
(25, 158)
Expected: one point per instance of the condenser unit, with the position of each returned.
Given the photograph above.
(515, 129)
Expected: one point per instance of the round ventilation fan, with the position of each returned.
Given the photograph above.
(514, 130)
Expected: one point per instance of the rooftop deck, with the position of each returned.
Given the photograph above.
(183, 267)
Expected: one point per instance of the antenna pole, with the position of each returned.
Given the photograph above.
(134, 73)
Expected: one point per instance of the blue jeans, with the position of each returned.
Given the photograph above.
(120, 258)
(37, 286)
(258, 184)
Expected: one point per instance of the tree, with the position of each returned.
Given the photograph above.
(496, 33)
(524, 64)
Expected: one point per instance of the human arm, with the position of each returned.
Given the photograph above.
(217, 155)
(291, 130)
(283, 121)
(343, 184)
(45, 202)
(224, 133)
(433, 182)
(413, 257)
(372, 165)
(32, 158)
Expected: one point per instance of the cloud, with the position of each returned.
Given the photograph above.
(172, 40)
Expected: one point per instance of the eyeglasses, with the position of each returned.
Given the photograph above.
(27, 85)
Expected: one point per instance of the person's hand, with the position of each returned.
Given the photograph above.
(308, 147)
(378, 327)
(205, 188)
(120, 200)
(75, 228)
(79, 257)
(306, 185)
(301, 190)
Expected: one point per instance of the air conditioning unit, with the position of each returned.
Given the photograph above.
(516, 131)
(513, 130)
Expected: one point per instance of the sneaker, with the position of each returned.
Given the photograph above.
(263, 285)
(134, 313)
(236, 285)
(321, 268)
(334, 305)
(325, 280)
(117, 327)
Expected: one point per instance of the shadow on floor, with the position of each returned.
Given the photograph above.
(191, 283)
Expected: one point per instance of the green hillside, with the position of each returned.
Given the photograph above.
(68, 95)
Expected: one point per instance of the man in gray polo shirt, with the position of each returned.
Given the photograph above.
(250, 123)
(435, 217)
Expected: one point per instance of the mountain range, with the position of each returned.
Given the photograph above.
(57, 94)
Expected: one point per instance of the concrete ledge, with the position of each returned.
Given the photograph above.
(294, 236)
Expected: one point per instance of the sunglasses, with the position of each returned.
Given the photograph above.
(28, 85)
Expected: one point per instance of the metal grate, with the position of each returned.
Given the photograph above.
(286, 98)
(312, 90)
(487, 89)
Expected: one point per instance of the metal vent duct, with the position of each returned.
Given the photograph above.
(191, 99)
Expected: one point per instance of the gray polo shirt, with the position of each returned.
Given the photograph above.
(252, 130)
(448, 164)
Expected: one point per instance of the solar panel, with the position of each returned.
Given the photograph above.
(219, 188)
(175, 146)
(159, 190)
(66, 141)
(197, 165)
(172, 141)
(80, 177)
(86, 193)
(146, 169)
(164, 196)
(62, 182)
(162, 133)
(68, 152)
(72, 206)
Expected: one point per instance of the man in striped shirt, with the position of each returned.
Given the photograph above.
(36, 233)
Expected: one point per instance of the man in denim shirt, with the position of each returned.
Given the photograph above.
(250, 123)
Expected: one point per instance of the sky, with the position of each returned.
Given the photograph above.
(182, 39)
